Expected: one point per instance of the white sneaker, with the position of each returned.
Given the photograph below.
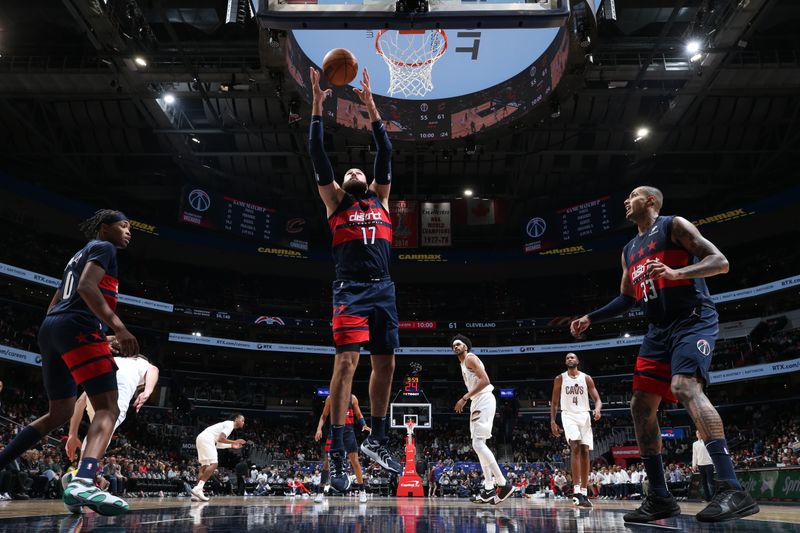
(362, 496)
(305, 495)
(319, 497)
(197, 492)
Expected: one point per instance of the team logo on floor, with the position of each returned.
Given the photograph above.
(704, 347)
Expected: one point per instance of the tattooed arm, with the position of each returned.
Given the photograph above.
(685, 234)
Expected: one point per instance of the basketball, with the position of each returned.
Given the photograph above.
(340, 66)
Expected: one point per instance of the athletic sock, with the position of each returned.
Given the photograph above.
(337, 438)
(576, 489)
(21, 443)
(200, 484)
(654, 466)
(378, 425)
(87, 469)
(323, 480)
(723, 465)
(585, 491)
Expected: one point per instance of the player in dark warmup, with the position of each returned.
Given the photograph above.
(364, 308)
(350, 444)
(663, 268)
(75, 352)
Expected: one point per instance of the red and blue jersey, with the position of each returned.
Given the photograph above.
(104, 254)
(663, 300)
(362, 238)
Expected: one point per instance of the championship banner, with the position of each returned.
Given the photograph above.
(435, 227)
(405, 222)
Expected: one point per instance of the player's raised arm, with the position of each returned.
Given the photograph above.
(329, 190)
(555, 400)
(686, 234)
(615, 307)
(383, 159)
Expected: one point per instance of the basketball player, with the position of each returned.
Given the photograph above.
(75, 352)
(364, 308)
(496, 488)
(207, 442)
(132, 373)
(571, 390)
(350, 444)
(663, 268)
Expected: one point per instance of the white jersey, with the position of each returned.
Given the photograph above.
(131, 372)
(574, 393)
(211, 433)
(471, 378)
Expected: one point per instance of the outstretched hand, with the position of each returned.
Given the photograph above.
(578, 326)
(365, 92)
(319, 94)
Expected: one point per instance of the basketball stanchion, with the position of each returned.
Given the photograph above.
(410, 484)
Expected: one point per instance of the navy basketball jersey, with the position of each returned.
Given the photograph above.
(663, 300)
(104, 254)
(349, 417)
(362, 238)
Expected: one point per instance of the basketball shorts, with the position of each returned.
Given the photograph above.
(349, 437)
(206, 451)
(683, 346)
(365, 313)
(578, 427)
(481, 415)
(75, 352)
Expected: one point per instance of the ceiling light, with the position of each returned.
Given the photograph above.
(195, 139)
(467, 192)
(641, 133)
(139, 60)
(697, 57)
(693, 46)
(627, 335)
(169, 98)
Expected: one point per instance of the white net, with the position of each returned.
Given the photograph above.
(410, 56)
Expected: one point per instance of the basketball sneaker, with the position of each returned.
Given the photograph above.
(582, 501)
(339, 480)
(83, 492)
(319, 497)
(728, 503)
(654, 507)
(378, 453)
(484, 496)
(502, 493)
(66, 479)
(362, 496)
(197, 492)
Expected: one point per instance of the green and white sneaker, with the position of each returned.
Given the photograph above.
(66, 479)
(82, 492)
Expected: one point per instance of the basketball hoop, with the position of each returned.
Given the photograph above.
(410, 427)
(410, 56)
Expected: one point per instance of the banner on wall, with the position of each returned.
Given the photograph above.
(405, 223)
(435, 229)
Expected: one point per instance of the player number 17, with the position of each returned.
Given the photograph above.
(371, 230)
(649, 290)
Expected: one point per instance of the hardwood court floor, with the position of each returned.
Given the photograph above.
(288, 515)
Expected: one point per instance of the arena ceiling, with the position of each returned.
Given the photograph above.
(77, 113)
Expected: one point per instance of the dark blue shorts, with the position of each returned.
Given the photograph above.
(365, 313)
(75, 352)
(684, 346)
(350, 442)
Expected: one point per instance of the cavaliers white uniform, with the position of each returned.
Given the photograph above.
(207, 442)
(483, 401)
(575, 411)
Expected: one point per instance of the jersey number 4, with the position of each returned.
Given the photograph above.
(649, 290)
(369, 234)
(575, 400)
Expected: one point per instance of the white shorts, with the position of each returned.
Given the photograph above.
(578, 427)
(480, 425)
(206, 451)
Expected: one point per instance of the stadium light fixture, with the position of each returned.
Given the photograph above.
(626, 335)
(140, 61)
(169, 98)
(693, 46)
(467, 192)
(641, 133)
(196, 334)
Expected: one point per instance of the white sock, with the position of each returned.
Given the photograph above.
(487, 458)
(200, 484)
(576, 489)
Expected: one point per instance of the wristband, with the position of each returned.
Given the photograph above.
(362, 422)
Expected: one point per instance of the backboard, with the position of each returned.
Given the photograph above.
(407, 14)
(400, 413)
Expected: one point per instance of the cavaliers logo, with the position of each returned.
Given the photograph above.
(295, 225)
(704, 347)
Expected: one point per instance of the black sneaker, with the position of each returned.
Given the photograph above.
(583, 501)
(340, 480)
(654, 507)
(502, 493)
(484, 496)
(378, 453)
(728, 503)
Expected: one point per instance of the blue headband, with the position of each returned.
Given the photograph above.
(115, 217)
